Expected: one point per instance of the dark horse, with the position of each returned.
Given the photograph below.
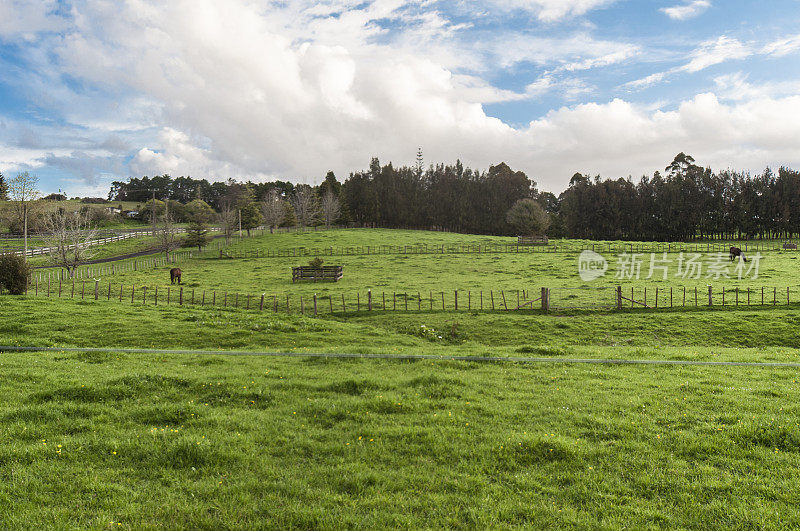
(736, 252)
(175, 274)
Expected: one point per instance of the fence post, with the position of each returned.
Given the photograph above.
(619, 297)
(545, 304)
(456, 299)
(260, 308)
(369, 301)
(96, 289)
(315, 304)
(710, 303)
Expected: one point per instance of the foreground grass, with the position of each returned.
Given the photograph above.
(96, 440)
(760, 335)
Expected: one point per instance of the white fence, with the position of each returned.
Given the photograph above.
(38, 251)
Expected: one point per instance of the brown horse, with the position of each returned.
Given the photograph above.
(736, 252)
(175, 274)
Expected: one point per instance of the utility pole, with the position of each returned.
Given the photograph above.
(25, 225)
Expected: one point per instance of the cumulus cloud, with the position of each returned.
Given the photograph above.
(686, 11)
(617, 138)
(285, 90)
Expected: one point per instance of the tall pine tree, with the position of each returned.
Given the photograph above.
(3, 188)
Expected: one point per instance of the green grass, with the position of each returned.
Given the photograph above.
(111, 249)
(92, 440)
(430, 275)
(216, 441)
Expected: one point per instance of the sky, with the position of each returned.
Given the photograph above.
(97, 91)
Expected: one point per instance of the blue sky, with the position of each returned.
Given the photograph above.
(92, 92)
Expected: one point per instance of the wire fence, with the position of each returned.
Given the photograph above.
(608, 298)
(90, 272)
(505, 248)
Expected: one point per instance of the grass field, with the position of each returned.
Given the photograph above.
(427, 276)
(214, 441)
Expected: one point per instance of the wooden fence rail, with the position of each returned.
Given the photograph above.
(541, 299)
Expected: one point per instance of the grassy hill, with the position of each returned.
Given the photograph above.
(97, 439)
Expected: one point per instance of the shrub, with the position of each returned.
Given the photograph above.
(316, 263)
(14, 273)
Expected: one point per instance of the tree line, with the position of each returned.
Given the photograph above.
(684, 202)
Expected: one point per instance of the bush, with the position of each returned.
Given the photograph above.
(528, 217)
(14, 274)
(316, 263)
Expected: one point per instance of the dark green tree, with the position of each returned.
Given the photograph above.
(251, 216)
(197, 235)
(3, 188)
(15, 273)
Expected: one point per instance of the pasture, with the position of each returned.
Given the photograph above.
(211, 440)
(421, 277)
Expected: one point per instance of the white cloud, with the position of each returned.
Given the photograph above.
(553, 10)
(783, 47)
(686, 11)
(736, 87)
(25, 19)
(717, 51)
(647, 81)
(576, 52)
(619, 138)
(707, 54)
